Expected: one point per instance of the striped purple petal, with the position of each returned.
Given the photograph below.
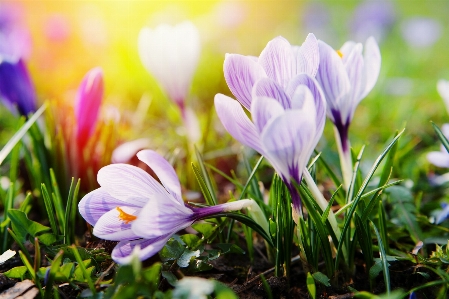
(236, 122)
(115, 227)
(264, 109)
(164, 172)
(122, 252)
(266, 87)
(241, 73)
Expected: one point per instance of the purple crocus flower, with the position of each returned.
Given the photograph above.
(346, 77)
(135, 209)
(279, 63)
(87, 105)
(16, 88)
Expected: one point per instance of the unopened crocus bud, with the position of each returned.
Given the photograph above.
(87, 105)
(16, 88)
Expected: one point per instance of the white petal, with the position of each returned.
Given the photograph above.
(236, 122)
(128, 183)
(161, 216)
(354, 69)
(443, 90)
(126, 151)
(372, 60)
(111, 227)
(440, 159)
(308, 56)
(164, 171)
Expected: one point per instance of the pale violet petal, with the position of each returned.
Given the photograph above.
(440, 159)
(266, 87)
(164, 171)
(301, 96)
(278, 61)
(241, 73)
(318, 96)
(122, 253)
(288, 142)
(347, 48)
(264, 109)
(354, 69)
(445, 130)
(372, 60)
(161, 216)
(126, 151)
(112, 226)
(97, 203)
(236, 122)
(128, 183)
(443, 90)
(308, 56)
(332, 76)
(442, 215)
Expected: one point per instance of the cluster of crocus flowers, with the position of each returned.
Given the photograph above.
(171, 54)
(346, 77)
(287, 106)
(16, 88)
(133, 208)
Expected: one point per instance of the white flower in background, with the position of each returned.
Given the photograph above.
(171, 54)
(443, 90)
(193, 288)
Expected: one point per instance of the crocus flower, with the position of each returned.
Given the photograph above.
(443, 214)
(135, 209)
(440, 158)
(346, 77)
(421, 32)
(443, 90)
(16, 88)
(286, 104)
(171, 54)
(87, 105)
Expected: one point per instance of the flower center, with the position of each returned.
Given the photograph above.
(340, 53)
(127, 218)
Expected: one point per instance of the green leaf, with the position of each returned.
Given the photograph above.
(184, 260)
(206, 229)
(24, 227)
(170, 277)
(152, 275)
(383, 256)
(206, 178)
(16, 272)
(171, 251)
(440, 135)
(192, 241)
(321, 278)
(311, 287)
(230, 248)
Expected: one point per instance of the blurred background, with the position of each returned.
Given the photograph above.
(64, 39)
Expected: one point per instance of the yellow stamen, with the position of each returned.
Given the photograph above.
(127, 218)
(340, 53)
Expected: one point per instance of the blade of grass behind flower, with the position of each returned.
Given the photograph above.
(206, 177)
(364, 238)
(203, 186)
(19, 134)
(5, 224)
(359, 195)
(57, 200)
(50, 209)
(70, 212)
(441, 136)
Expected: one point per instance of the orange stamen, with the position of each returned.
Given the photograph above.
(127, 218)
(340, 53)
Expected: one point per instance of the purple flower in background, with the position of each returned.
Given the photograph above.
(346, 77)
(135, 209)
(441, 158)
(87, 105)
(15, 39)
(16, 89)
(287, 106)
(372, 18)
(421, 32)
(443, 214)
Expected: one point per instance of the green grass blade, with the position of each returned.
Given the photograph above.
(206, 177)
(50, 209)
(57, 199)
(440, 135)
(359, 195)
(383, 256)
(56, 263)
(83, 269)
(13, 141)
(203, 186)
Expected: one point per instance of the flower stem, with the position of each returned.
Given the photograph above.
(344, 152)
